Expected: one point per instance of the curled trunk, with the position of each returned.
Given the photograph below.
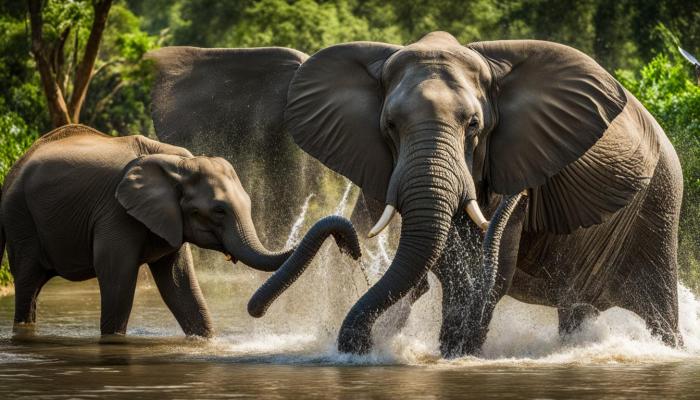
(246, 247)
(345, 237)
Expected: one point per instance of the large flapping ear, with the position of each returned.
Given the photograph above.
(554, 104)
(207, 92)
(148, 191)
(333, 110)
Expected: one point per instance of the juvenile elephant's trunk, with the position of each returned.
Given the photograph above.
(345, 237)
(246, 246)
(429, 193)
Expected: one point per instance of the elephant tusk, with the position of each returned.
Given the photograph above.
(384, 220)
(475, 214)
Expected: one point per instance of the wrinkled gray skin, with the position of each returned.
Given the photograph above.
(80, 204)
(429, 127)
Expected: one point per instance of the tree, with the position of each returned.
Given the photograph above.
(49, 54)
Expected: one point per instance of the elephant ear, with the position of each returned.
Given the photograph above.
(333, 110)
(554, 104)
(210, 92)
(148, 191)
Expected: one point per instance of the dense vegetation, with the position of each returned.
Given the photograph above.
(632, 38)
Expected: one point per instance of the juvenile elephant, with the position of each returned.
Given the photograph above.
(582, 185)
(80, 204)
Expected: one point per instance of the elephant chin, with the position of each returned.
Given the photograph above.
(345, 237)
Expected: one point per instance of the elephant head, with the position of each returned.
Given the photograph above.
(198, 200)
(435, 127)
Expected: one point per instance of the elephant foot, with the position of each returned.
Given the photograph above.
(205, 332)
(355, 337)
(571, 318)
(113, 338)
(23, 330)
(456, 343)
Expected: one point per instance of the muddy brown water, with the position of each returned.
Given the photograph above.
(290, 353)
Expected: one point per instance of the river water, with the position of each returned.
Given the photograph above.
(290, 353)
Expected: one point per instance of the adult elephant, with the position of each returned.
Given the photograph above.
(80, 204)
(205, 101)
(433, 128)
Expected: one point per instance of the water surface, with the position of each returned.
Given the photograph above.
(290, 353)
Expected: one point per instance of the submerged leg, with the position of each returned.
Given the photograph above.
(29, 278)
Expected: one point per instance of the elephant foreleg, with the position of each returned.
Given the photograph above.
(116, 260)
(175, 277)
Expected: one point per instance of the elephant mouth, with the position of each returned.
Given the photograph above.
(231, 258)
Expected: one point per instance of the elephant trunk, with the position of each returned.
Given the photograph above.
(482, 310)
(429, 191)
(492, 243)
(345, 237)
(245, 245)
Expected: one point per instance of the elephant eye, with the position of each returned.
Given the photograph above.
(218, 210)
(389, 125)
(474, 123)
(194, 212)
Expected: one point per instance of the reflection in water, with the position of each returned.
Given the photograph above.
(291, 351)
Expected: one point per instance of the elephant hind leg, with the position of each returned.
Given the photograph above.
(28, 284)
(659, 312)
(29, 277)
(174, 275)
(571, 318)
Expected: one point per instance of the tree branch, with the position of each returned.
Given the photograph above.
(103, 102)
(52, 91)
(84, 70)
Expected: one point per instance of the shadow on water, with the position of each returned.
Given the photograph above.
(291, 351)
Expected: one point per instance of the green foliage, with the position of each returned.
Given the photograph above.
(623, 35)
(305, 24)
(667, 90)
(117, 102)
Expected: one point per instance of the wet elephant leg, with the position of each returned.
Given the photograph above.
(459, 271)
(117, 265)
(647, 283)
(571, 318)
(455, 270)
(175, 277)
(29, 278)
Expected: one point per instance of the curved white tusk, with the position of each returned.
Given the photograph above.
(384, 220)
(475, 214)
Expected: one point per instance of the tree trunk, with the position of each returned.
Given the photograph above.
(54, 96)
(50, 63)
(84, 72)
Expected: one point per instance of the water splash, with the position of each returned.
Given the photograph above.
(342, 205)
(295, 232)
(303, 325)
